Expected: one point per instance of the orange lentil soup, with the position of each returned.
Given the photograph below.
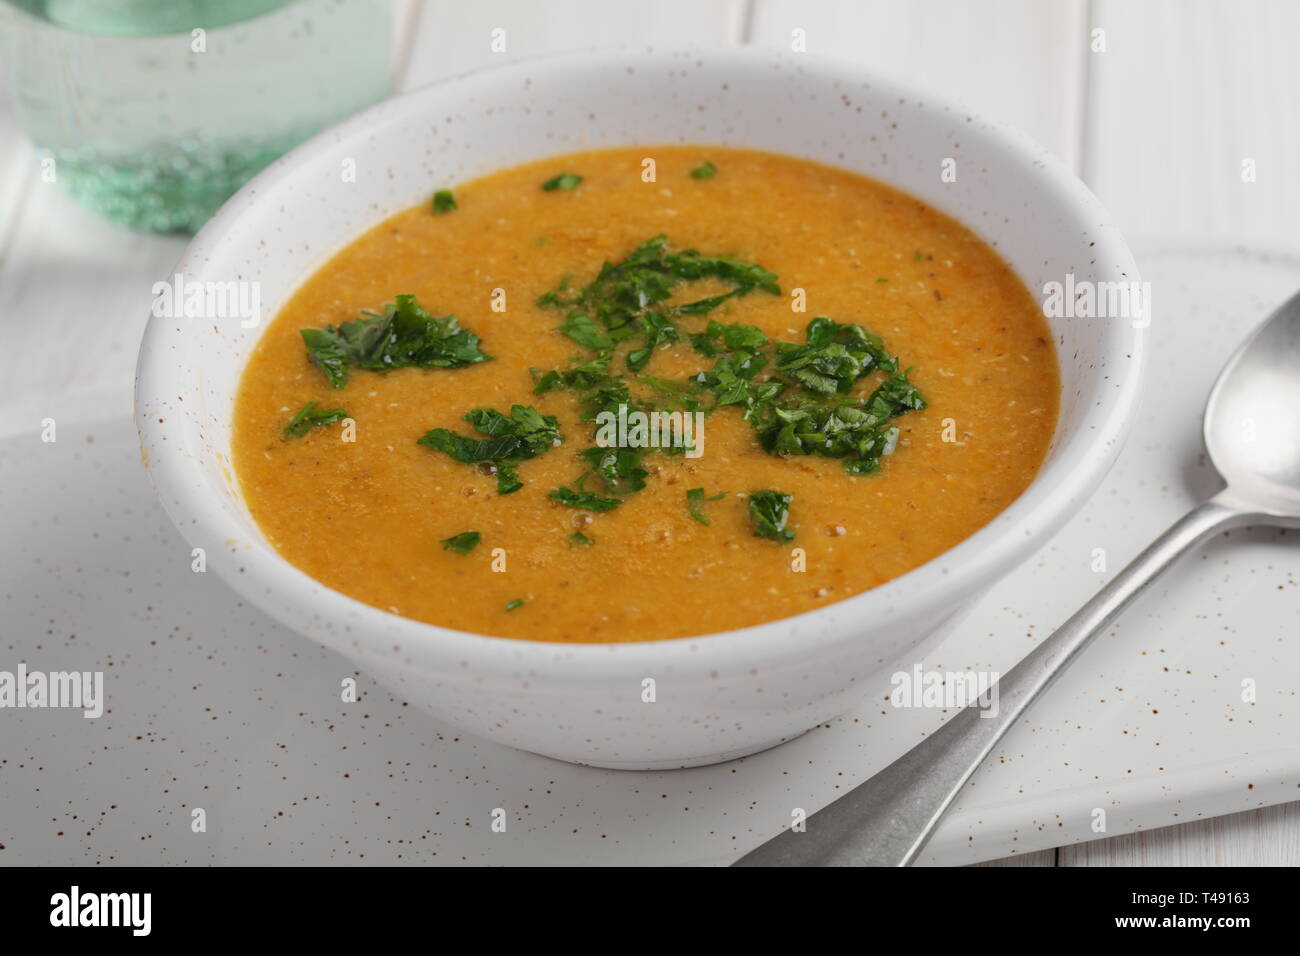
(360, 505)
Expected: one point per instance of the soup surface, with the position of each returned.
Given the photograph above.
(424, 529)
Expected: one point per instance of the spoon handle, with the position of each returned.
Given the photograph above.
(889, 818)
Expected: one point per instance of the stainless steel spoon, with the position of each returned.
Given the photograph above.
(1252, 432)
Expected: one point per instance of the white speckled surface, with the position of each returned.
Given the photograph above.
(213, 705)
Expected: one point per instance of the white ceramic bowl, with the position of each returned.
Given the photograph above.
(721, 695)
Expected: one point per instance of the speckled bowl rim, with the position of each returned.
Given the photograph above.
(946, 581)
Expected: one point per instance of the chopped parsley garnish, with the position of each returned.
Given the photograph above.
(443, 202)
(732, 377)
(401, 336)
(769, 511)
(675, 396)
(626, 299)
(706, 171)
(619, 468)
(524, 434)
(731, 380)
(799, 398)
(309, 417)
(507, 478)
(553, 296)
(821, 418)
(517, 602)
(657, 331)
(858, 431)
(585, 500)
(562, 181)
(585, 332)
(834, 357)
(717, 336)
(587, 375)
(462, 543)
(695, 498)
(597, 390)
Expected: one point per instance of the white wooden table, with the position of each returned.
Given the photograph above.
(1156, 104)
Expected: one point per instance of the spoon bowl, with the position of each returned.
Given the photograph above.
(1252, 419)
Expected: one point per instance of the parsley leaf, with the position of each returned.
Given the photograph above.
(517, 602)
(706, 171)
(443, 202)
(731, 381)
(309, 417)
(562, 181)
(507, 479)
(833, 358)
(598, 391)
(585, 332)
(695, 498)
(894, 396)
(731, 378)
(524, 434)
(584, 500)
(734, 337)
(769, 511)
(626, 299)
(583, 377)
(462, 543)
(619, 468)
(403, 335)
(580, 539)
(658, 331)
(745, 276)
(858, 430)
(534, 431)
